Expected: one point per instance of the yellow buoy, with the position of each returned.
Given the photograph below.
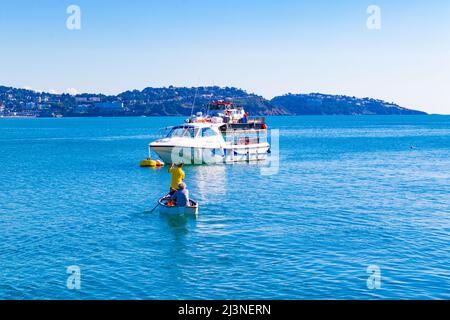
(151, 163)
(148, 163)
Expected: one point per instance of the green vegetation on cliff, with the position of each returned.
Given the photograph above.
(321, 104)
(178, 101)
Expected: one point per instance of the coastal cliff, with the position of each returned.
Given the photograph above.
(178, 101)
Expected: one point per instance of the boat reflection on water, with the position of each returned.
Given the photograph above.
(179, 224)
(207, 183)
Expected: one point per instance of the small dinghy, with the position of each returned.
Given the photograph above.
(165, 207)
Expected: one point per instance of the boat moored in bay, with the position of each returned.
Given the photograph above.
(226, 134)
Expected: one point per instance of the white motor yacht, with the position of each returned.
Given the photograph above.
(224, 135)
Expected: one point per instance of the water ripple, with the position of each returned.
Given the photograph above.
(351, 192)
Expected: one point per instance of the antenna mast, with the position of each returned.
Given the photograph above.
(193, 104)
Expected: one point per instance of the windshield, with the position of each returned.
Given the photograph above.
(182, 132)
(207, 132)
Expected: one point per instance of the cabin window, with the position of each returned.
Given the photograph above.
(182, 132)
(207, 132)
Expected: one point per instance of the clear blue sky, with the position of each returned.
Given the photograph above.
(269, 47)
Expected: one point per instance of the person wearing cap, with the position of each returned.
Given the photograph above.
(181, 196)
(178, 176)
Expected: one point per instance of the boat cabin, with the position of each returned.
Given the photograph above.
(194, 130)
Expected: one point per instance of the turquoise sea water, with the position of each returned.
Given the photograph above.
(350, 192)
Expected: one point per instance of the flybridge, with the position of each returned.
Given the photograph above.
(232, 116)
(221, 105)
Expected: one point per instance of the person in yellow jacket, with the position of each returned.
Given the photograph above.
(177, 177)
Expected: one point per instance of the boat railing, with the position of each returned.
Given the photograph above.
(245, 137)
(245, 141)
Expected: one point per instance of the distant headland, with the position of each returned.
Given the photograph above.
(178, 101)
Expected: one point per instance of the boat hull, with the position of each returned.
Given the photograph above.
(178, 211)
(200, 156)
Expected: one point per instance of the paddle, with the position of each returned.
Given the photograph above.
(155, 207)
(159, 203)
